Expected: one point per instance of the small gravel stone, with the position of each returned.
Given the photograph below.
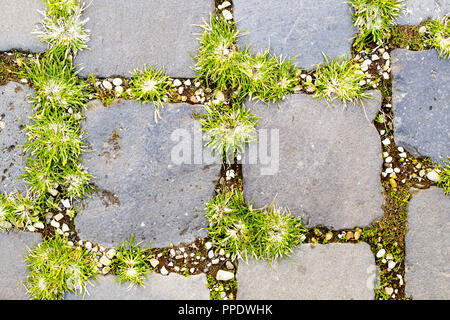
(229, 265)
(210, 254)
(54, 223)
(39, 225)
(154, 262)
(66, 203)
(215, 261)
(433, 176)
(389, 291)
(164, 271)
(58, 217)
(227, 15)
(386, 141)
(223, 275)
(386, 56)
(117, 81)
(105, 261)
(110, 253)
(107, 85)
(381, 253)
(388, 159)
(391, 265)
(177, 83)
(65, 228)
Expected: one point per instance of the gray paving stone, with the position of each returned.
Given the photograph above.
(427, 274)
(14, 113)
(141, 188)
(415, 11)
(421, 101)
(296, 27)
(322, 272)
(157, 287)
(18, 19)
(326, 165)
(14, 247)
(127, 33)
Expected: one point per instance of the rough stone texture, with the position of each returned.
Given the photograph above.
(14, 108)
(157, 287)
(141, 188)
(18, 19)
(415, 11)
(421, 101)
(323, 272)
(329, 161)
(127, 33)
(13, 249)
(296, 27)
(427, 274)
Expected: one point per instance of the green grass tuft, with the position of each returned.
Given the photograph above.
(374, 20)
(444, 181)
(63, 27)
(131, 263)
(228, 129)
(438, 36)
(55, 267)
(151, 85)
(267, 233)
(58, 89)
(339, 79)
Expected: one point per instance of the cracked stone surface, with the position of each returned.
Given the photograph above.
(157, 287)
(427, 251)
(141, 188)
(128, 33)
(421, 101)
(321, 272)
(291, 28)
(329, 161)
(14, 247)
(415, 11)
(18, 18)
(14, 108)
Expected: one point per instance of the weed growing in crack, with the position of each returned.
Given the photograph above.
(131, 263)
(63, 27)
(228, 129)
(221, 63)
(56, 267)
(17, 210)
(151, 85)
(437, 35)
(271, 78)
(268, 233)
(54, 146)
(444, 181)
(374, 20)
(219, 59)
(340, 78)
(58, 89)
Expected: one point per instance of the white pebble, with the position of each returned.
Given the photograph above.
(381, 253)
(386, 141)
(227, 15)
(388, 159)
(117, 81)
(177, 83)
(386, 56)
(107, 84)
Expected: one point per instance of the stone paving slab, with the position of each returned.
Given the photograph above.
(329, 161)
(321, 272)
(296, 27)
(421, 102)
(415, 11)
(142, 190)
(127, 33)
(156, 287)
(14, 108)
(14, 247)
(427, 274)
(18, 19)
